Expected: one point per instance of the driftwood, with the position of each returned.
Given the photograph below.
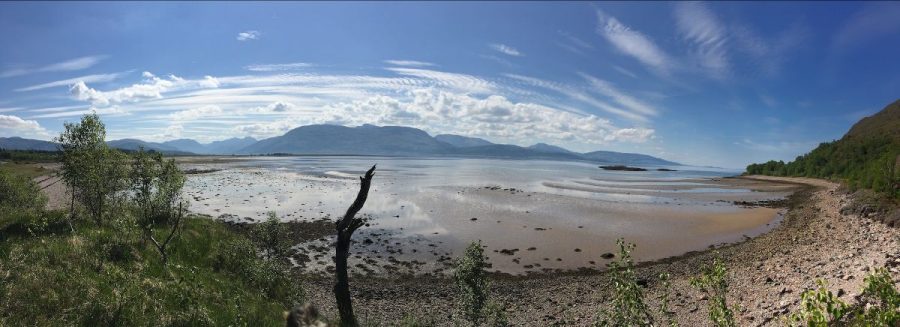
(345, 228)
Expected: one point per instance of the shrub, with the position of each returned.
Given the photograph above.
(883, 298)
(714, 282)
(239, 257)
(628, 307)
(473, 288)
(272, 237)
(21, 202)
(819, 307)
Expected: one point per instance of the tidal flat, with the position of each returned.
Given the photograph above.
(531, 216)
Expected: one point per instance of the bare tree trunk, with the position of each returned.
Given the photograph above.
(161, 247)
(72, 209)
(345, 228)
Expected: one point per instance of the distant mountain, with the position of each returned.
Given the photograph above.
(396, 140)
(186, 145)
(547, 148)
(363, 140)
(135, 144)
(18, 143)
(629, 158)
(229, 146)
(461, 141)
(868, 156)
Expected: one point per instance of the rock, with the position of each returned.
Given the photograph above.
(607, 255)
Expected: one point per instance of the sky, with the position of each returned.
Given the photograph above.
(721, 84)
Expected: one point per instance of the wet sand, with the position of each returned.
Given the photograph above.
(767, 274)
(535, 228)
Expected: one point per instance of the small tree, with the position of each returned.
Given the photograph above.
(156, 190)
(471, 283)
(628, 306)
(273, 237)
(473, 287)
(714, 282)
(93, 171)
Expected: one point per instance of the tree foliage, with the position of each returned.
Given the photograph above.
(156, 191)
(94, 172)
(867, 157)
(473, 289)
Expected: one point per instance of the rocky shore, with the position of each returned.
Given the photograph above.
(767, 273)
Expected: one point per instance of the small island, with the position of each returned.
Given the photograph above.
(622, 168)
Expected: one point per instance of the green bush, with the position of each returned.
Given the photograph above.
(474, 292)
(272, 237)
(239, 258)
(883, 298)
(22, 203)
(819, 307)
(714, 282)
(628, 307)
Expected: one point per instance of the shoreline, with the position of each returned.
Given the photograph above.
(767, 273)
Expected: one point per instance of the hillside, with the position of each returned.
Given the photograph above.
(867, 156)
(18, 143)
(361, 140)
(461, 141)
(397, 140)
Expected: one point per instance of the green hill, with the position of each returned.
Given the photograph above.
(868, 156)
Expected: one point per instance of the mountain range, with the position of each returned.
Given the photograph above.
(363, 140)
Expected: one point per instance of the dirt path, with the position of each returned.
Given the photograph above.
(767, 273)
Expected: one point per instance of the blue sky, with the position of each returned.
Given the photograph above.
(720, 84)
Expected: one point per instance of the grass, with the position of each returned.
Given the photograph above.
(104, 276)
(31, 170)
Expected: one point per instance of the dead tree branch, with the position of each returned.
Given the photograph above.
(345, 228)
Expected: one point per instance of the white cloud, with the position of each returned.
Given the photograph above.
(623, 99)
(505, 49)
(151, 88)
(15, 126)
(97, 78)
(410, 63)
(462, 82)
(193, 114)
(574, 93)
(68, 65)
(248, 35)
(492, 116)
(707, 35)
(625, 71)
(277, 67)
(632, 43)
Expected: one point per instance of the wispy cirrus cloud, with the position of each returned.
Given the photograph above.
(68, 65)
(409, 63)
(505, 49)
(96, 78)
(608, 89)
(434, 100)
(875, 20)
(706, 35)
(277, 67)
(633, 43)
(248, 35)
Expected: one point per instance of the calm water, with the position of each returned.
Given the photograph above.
(557, 215)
